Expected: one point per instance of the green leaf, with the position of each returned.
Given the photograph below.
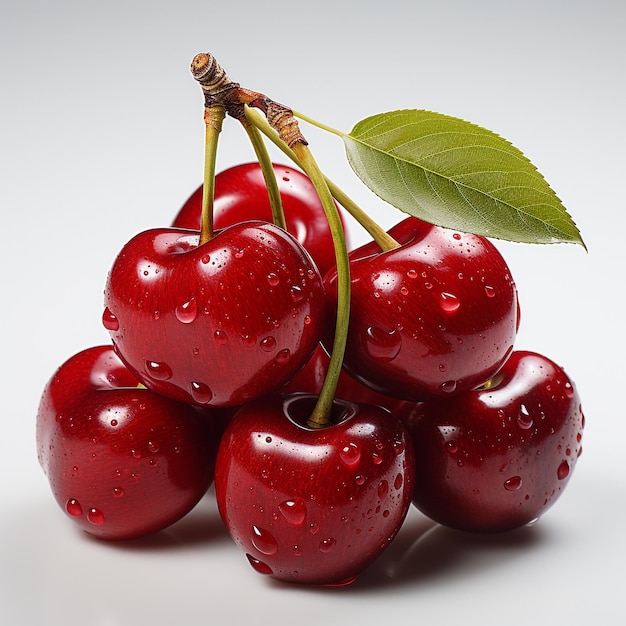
(452, 173)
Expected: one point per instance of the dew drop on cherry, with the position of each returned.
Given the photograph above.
(326, 545)
(297, 294)
(350, 454)
(187, 311)
(563, 471)
(513, 484)
(201, 393)
(110, 321)
(524, 420)
(95, 516)
(72, 506)
(383, 489)
(263, 541)
(259, 566)
(268, 344)
(490, 291)
(283, 356)
(158, 370)
(221, 338)
(382, 345)
(449, 386)
(449, 302)
(273, 279)
(118, 492)
(294, 511)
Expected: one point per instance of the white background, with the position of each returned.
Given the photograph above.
(102, 136)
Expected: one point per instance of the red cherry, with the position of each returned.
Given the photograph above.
(313, 505)
(121, 460)
(218, 324)
(497, 458)
(437, 315)
(241, 194)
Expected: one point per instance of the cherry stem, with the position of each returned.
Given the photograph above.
(267, 169)
(322, 412)
(213, 118)
(384, 240)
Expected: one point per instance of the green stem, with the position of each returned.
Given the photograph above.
(278, 215)
(322, 412)
(213, 118)
(378, 234)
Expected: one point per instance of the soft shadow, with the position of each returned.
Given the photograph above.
(201, 526)
(428, 551)
(424, 551)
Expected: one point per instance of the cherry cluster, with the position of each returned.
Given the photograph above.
(321, 394)
(219, 352)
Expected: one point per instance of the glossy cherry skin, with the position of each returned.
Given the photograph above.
(497, 458)
(122, 461)
(435, 316)
(218, 324)
(241, 194)
(313, 506)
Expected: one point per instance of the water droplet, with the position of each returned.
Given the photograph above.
(73, 507)
(563, 471)
(158, 371)
(449, 302)
(187, 311)
(382, 345)
(220, 336)
(201, 393)
(569, 389)
(268, 344)
(110, 321)
(359, 479)
(307, 320)
(350, 454)
(114, 423)
(283, 356)
(153, 447)
(205, 258)
(136, 453)
(449, 386)
(273, 279)
(326, 545)
(259, 566)
(490, 291)
(263, 541)
(248, 340)
(95, 516)
(452, 447)
(294, 511)
(118, 492)
(412, 273)
(383, 489)
(524, 420)
(513, 484)
(397, 483)
(297, 294)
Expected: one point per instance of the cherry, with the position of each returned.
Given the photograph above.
(241, 194)
(217, 324)
(436, 315)
(497, 457)
(313, 505)
(121, 460)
